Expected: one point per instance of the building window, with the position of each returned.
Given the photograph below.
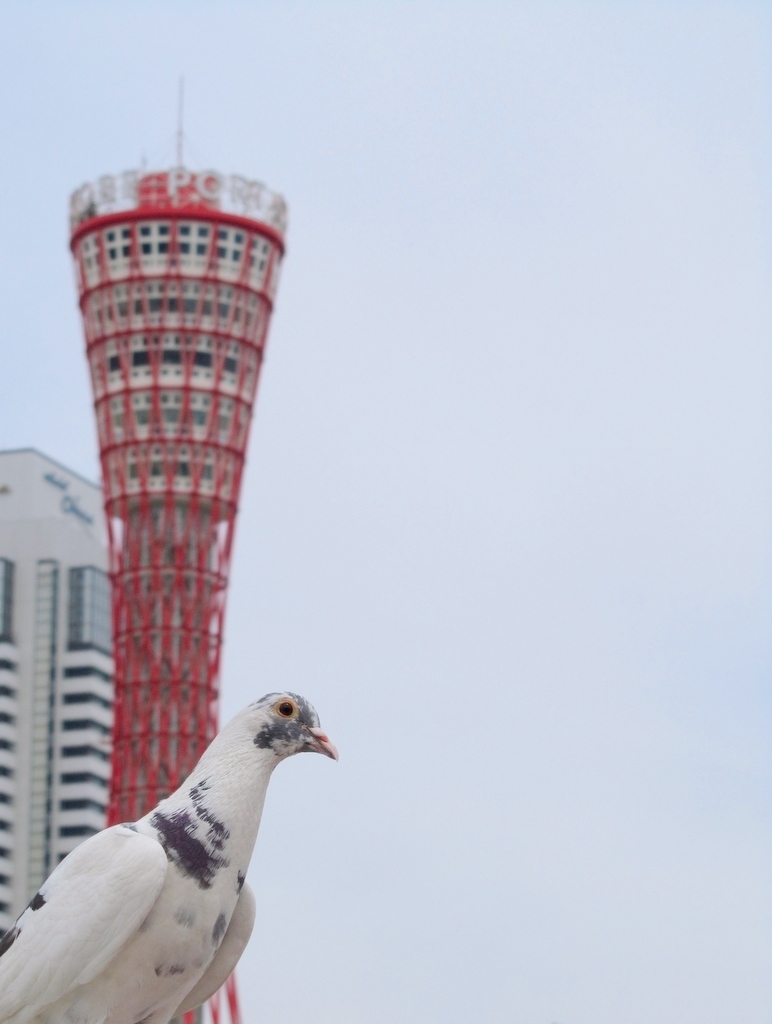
(85, 751)
(75, 671)
(6, 600)
(89, 610)
(77, 724)
(71, 831)
(78, 778)
(202, 359)
(81, 805)
(86, 698)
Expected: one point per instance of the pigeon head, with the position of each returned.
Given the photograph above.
(287, 724)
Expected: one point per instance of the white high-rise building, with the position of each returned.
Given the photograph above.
(55, 670)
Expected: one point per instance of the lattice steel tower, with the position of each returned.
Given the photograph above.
(177, 274)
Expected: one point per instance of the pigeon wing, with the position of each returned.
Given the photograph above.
(227, 956)
(84, 913)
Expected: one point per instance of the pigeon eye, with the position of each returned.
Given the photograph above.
(286, 709)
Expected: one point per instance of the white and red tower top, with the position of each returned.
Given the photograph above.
(177, 274)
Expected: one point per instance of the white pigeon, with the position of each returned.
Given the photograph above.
(145, 921)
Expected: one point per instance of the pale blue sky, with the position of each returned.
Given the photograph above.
(507, 517)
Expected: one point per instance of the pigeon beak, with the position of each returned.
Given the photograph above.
(323, 744)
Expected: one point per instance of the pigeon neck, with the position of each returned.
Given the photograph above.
(226, 793)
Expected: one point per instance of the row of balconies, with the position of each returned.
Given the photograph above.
(142, 369)
(9, 684)
(164, 468)
(144, 415)
(174, 305)
(153, 247)
(84, 724)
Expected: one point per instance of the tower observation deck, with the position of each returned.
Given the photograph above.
(177, 274)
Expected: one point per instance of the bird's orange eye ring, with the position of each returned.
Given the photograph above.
(286, 708)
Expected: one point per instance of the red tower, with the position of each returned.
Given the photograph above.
(177, 274)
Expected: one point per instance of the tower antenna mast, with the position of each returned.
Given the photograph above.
(180, 107)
